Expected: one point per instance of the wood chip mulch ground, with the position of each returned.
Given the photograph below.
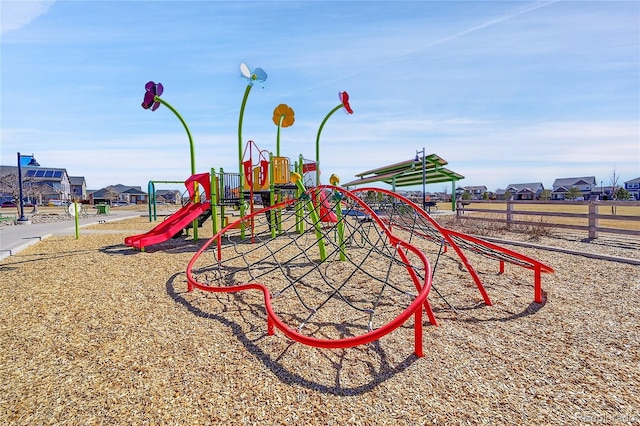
(94, 332)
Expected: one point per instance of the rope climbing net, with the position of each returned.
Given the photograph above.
(334, 272)
(331, 272)
(409, 221)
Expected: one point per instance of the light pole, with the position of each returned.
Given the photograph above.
(424, 181)
(22, 220)
(601, 191)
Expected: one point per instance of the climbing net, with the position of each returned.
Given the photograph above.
(409, 221)
(331, 272)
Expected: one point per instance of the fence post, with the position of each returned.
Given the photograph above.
(509, 211)
(593, 220)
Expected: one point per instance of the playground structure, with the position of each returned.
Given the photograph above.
(269, 178)
(333, 271)
(342, 283)
(212, 194)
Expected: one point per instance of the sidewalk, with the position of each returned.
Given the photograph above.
(15, 238)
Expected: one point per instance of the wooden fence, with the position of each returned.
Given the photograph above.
(593, 217)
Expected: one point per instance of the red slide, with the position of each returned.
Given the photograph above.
(169, 227)
(326, 214)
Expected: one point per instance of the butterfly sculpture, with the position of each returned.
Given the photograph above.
(258, 75)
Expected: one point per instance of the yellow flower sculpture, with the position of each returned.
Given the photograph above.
(283, 116)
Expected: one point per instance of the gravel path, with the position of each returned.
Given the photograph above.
(93, 332)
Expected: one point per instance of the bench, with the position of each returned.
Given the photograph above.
(461, 204)
(430, 204)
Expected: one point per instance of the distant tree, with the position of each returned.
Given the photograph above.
(545, 194)
(111, 194)
(485, 195)
(9, 184)
(466, 195)
(34, 190)
(622, 194)
(613, 180)
(573, 193)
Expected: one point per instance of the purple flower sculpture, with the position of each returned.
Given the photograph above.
(153, 90)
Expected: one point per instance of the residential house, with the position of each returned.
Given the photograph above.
(41, 184)
(78, 188)
(441, 196)
(169, 196)
(523, 191)
(584, 184)
(475, 192)
(633, 187)
(602, 193)
(118, 193)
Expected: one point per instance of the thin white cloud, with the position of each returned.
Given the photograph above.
(503, 93)
(16, 14)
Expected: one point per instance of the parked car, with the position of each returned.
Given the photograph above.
(58, 203)
(8, 204)
(119, 203)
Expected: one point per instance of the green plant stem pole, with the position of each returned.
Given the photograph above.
(272, 199)
(214, 201)
(299, 206)
(313, 212)
(338, 199)
(244, 103)
(77, 219)
(318, 142)
(278, 137)
(192, 153)
(151, 190)
(276, 198)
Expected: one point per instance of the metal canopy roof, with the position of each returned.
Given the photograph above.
(409, 173)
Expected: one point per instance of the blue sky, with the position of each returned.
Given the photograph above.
(506, 92)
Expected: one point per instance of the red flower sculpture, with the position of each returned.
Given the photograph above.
(344, 97)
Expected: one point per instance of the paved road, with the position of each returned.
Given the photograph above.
(14, 238)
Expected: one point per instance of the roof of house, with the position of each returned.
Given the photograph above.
(76, 180)
(525, 187)
(119, 189)
(167, 191)
(475, 188)
(39, 173)
(569, 182)
(44, 173)
(634, 180)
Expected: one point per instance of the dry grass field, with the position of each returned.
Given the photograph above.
(94, 332)
(631, 210)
